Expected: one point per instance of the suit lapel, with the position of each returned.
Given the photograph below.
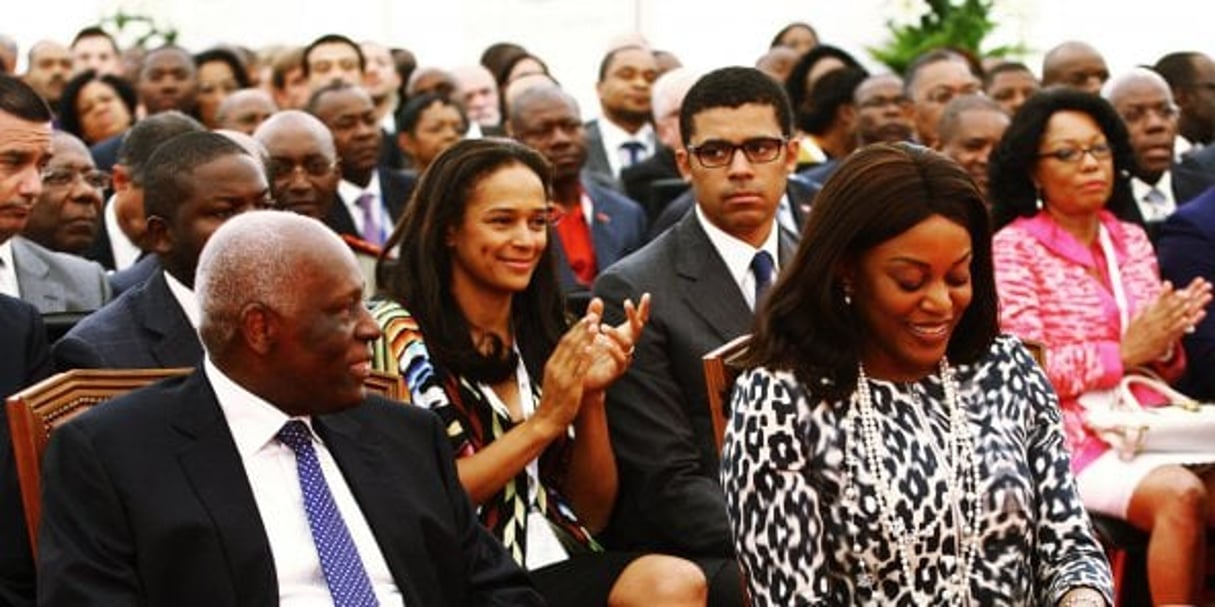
(176, 342)
(213, 467)
(33, 278)
(709, 291)
(378, 490)
(339, 218)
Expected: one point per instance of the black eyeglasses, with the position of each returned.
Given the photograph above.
(63, 176)
(1099, 151)
(716, 153)
(281, 169)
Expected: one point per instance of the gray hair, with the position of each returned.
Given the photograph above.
(254, 258)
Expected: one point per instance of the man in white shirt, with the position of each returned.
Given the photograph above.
(267, 477)
(623, 136)
(706, 275)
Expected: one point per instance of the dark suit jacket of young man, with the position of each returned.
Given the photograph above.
(146, 502)
(24, 361)
(638, 179)
(396, 187)
(670, 494)
(1186, 250)
(145, 328)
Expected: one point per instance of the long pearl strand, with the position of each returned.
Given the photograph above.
(961, 478)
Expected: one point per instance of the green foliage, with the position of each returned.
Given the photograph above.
(961, 26)
(138, 30)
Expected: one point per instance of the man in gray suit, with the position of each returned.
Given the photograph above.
(623, 136)
(706, 275)
(53, 282)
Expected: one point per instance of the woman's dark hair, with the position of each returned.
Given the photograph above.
(795, 84)
(504, 72)
(420, 277)
(878, 192)
(411, 113)
(1011, 167)
(69, 117)
(226, 56)
(778, 39)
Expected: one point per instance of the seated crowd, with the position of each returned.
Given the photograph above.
(288, 221)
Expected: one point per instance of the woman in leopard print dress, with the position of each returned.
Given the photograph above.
(886, 446)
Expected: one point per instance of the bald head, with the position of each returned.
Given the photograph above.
(1075, 65)
(431, 80)
(244, 110)
(523, 104)
(297, 139)
(1123, 84)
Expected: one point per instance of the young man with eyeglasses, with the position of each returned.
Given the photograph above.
(706, 276)
(1159, 184)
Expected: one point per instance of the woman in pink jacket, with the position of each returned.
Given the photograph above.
(1073, 276)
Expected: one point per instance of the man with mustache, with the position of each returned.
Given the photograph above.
(598, 225)
(50, 66)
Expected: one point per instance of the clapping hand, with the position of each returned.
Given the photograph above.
(612, 350)
(1159, 325)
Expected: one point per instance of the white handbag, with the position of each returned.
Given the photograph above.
(1181, 426)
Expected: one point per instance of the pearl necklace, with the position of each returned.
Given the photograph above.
(961, 479)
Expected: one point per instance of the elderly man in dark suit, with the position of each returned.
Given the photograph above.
(1158, 183)
(706, 275)
(193, 183)
(598, 225)
(267, 476)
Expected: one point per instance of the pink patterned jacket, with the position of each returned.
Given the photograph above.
(1050, 292)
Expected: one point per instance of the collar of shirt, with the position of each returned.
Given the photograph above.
(1182, 147)
(253, 421)
(8, 271)
(126, 253)
(350, 195)
(185, 298)
(1152, 212)
(614, 136)
(738, 254)
(388, 123)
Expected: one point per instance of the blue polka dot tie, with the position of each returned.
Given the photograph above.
(344, 573)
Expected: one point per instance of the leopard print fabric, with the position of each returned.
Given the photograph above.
(783, 471)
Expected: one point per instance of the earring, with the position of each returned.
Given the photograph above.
(847, 294)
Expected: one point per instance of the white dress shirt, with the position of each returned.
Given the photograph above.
(271, 469)
(614, 137)
(350, 196)
(185, 298)
(125, 252)
(738, 254)
(1159, 211)
(8, 271)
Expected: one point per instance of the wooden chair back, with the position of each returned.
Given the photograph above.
(721, 369)
(35, 412)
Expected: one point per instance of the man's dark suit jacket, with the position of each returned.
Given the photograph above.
(1186, 249)
(670, 496)
(124, 280)
(105, 152)
(145, 328)
(395, 186)
(617, 229)
(638, 178)
(24, 361)
(801, 195)
(101, 251)
(146, 502)
(1189, 181)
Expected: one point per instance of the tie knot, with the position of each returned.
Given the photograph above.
(1154, 195)
(295, 434)
(364, 200)
(762, 265)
